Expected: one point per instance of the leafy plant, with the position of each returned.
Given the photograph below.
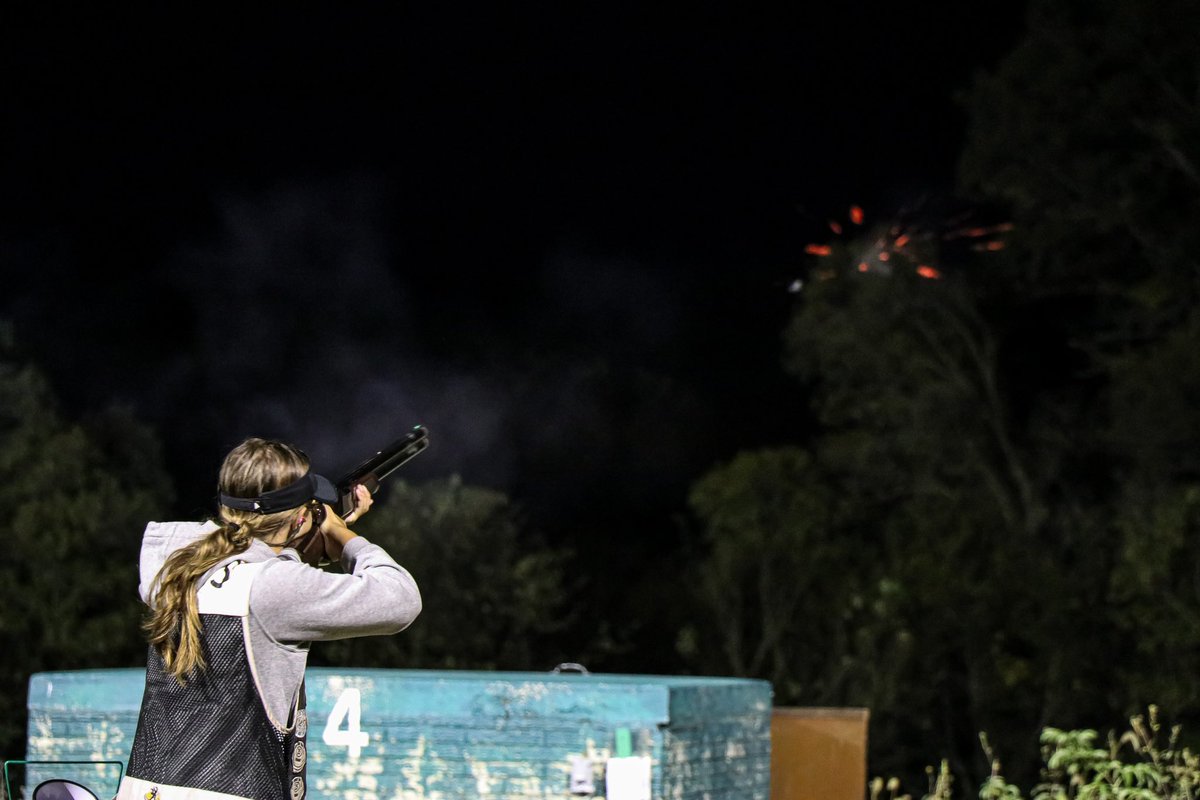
(1136, 765)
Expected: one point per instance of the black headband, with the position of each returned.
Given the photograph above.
(310, 487)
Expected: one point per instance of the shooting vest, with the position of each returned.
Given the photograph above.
(211, 738)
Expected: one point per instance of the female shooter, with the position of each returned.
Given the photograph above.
(234, 604)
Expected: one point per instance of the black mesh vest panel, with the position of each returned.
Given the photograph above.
(213, 732)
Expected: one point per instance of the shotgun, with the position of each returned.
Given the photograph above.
(372, 471)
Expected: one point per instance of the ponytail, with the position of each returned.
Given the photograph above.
(173, 626)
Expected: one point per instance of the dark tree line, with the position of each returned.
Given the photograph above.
(994, 527)
(70, 493)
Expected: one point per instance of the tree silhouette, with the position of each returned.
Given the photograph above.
(74, 498)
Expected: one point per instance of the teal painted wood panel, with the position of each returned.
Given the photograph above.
(434, 735)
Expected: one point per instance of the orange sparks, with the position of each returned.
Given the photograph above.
(863, 267)
(836, 228)
(975, 233)
(988, 246)
(885, 255)
(818, 249)
(856, 215)
(926, 271)
(901, 240)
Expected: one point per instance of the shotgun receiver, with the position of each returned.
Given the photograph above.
(370, 472)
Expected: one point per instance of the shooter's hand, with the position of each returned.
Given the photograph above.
(362, 504)
(335, 530)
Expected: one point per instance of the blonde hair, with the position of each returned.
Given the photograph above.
(253, 467)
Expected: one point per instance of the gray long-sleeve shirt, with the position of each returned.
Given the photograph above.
(293, 604)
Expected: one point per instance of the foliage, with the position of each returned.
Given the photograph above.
(1010, 451)
(494, 597)
(1020, 550)
(772, 572)
(945, 493)
(1136, 765)
(74, 498)
(1090, 132)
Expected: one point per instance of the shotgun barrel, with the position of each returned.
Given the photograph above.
(370, 472)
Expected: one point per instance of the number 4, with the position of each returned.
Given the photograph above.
(348, 707)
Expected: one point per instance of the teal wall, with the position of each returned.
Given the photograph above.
(458, 734)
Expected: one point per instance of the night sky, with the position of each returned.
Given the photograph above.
(561, 239)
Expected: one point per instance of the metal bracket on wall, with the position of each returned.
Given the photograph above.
(570, 667)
